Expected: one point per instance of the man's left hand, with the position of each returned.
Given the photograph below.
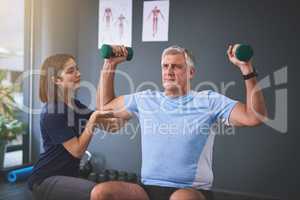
(245, 67)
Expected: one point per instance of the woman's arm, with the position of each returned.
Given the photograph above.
(103, 120)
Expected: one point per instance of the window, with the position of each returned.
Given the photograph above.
(12, 17)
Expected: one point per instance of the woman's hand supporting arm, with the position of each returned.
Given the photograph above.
(103, 120)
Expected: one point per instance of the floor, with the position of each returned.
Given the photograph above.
(16, 191)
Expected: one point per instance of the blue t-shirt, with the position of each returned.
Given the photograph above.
(176, 139)
(59, 123)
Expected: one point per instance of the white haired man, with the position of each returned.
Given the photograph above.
(176, 141)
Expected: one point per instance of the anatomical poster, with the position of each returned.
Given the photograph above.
(115, 22)
(155, 21)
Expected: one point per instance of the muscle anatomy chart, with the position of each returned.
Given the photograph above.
(156, 21)
(115, 22)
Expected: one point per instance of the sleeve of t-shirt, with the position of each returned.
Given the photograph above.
(56, 127)
(130, 103)
(220, 106)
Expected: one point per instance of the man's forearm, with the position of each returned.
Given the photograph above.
(255, 103)
(105, 90)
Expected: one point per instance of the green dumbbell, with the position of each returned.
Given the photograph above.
(122, 176)
(106, 51)
(102, 176)
(92, 177)
(132, 177)
(113, 175)
(243, 52)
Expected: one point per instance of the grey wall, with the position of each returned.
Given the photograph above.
(55, 30)
(254, 160)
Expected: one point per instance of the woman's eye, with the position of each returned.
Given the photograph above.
(70, 71)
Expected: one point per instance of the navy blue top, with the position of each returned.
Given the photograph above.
(59, 123)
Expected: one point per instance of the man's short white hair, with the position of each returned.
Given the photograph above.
(175, 49)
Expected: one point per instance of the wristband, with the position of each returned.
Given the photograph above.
(250, 75)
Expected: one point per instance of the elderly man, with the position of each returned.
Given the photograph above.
(175, 126)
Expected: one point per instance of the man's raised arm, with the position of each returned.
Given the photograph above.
(106, 99)
(254, 111)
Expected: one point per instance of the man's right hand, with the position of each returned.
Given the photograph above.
(120, 53)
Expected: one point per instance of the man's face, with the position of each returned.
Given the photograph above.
(175, 73)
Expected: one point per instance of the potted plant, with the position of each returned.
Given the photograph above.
(10, 126)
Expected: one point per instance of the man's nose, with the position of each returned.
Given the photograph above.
(170, 69)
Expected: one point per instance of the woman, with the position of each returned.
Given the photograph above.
(55, 175)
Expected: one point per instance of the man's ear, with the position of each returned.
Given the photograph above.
(192, 72)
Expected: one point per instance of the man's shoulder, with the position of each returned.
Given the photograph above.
(202, 93)
(147, 93)
(206, 93)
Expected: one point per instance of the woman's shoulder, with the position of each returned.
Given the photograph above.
(82, 109)
(60, 109)
(53, 108)
(79, 104)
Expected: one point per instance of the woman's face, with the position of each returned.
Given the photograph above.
(69, 77)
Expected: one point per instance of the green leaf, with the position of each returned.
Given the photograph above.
(2, 75)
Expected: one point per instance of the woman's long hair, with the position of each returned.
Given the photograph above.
(50, 70)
